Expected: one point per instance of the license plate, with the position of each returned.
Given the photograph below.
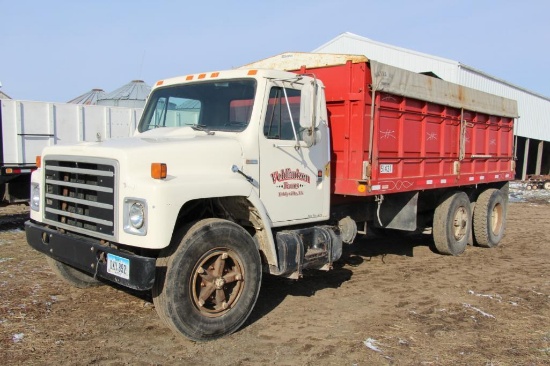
(118, 266)
(386, 168)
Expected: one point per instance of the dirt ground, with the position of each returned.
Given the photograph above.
(389, 301)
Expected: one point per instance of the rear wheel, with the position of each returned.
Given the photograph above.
(72, 276)
(489, 218)
(210, 283)
(452, 224)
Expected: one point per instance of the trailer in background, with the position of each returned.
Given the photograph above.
(535, 181)
(27, 127)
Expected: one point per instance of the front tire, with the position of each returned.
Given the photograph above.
(452, 224)
(211, 282)
(489, 218)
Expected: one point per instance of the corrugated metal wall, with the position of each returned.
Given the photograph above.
(534, 110)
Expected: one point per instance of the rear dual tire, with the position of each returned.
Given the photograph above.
(489, 218)
(452, 224)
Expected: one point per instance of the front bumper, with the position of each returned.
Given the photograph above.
(89, 255)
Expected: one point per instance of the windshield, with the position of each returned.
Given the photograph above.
(211, 105)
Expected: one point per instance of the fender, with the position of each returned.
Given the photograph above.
(265, 236)
(165, 198)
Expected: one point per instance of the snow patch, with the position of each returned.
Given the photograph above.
(17, 337)
(372, 344)
(492, 297)
(479, 311)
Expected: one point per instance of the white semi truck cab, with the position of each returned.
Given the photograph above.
(188, 205)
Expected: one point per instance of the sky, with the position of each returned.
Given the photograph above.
(57, 50)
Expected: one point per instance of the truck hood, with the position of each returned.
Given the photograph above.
(185, 151)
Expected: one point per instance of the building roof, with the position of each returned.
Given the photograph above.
(134, 90)
(502, 81)
(360, 39)
(4, 95)
(353, 43)
(89, 98)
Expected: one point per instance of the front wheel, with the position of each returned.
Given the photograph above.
(208, 286)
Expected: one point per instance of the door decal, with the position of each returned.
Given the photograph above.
(290, 182)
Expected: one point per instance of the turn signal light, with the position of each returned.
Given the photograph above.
(159, 170)
(38, 161)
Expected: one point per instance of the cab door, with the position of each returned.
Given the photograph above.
(294, 179)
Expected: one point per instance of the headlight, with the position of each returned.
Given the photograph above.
(136, 215)
(35, 196)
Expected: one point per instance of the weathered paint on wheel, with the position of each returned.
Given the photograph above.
(452, 224)
(489, 219)
(217, 282)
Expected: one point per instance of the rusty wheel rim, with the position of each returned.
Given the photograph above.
(496, 219)
(217, 282)
(460, 223)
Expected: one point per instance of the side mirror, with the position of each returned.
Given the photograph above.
(311, 136)
(308, 111)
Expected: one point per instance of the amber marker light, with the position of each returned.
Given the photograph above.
(159, 170)
(252, 72)
(38, 161)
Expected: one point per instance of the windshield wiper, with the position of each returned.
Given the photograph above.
(203, 128)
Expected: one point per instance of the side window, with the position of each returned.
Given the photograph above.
(278, 124)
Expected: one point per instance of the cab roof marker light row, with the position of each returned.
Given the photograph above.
(204, 76)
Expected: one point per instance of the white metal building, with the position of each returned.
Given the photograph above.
(532, 130)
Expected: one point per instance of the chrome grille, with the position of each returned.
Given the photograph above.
(80, 195)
